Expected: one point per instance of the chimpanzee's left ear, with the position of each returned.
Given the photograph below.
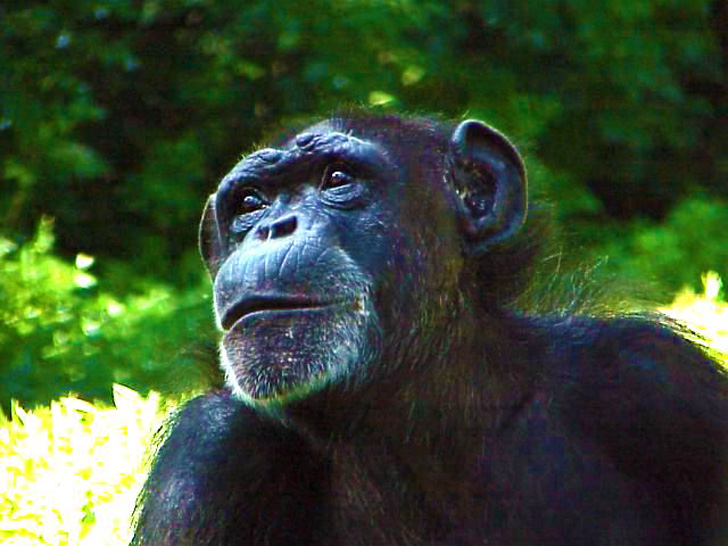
(489, 178)
(210, 242)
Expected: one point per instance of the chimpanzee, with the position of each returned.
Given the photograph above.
(385, 385)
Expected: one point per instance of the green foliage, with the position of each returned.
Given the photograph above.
(59, 332)
(118, 117)
(678, 251)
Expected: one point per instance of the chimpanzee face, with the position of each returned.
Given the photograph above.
(322, 247)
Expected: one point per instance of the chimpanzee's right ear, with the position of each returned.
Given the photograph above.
(210, 242)
(488, 176)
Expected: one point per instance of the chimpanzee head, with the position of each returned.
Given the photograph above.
(357, 232)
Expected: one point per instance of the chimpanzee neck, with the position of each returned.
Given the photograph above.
(392, 448)
(465, 382)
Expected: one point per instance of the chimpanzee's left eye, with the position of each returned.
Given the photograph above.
(335, 176)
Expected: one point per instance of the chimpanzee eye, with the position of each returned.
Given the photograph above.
(249, 201)
(336, 175)
(249, 204)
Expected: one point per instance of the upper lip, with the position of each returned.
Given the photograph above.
(267, 303)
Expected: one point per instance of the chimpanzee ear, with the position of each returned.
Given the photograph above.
(489, 178)
(210, 242)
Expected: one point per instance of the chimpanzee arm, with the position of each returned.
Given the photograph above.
(657, 405)
(227, 475)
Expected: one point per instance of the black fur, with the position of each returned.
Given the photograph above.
(385, 387)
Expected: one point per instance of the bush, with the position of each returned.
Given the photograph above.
(60, 332)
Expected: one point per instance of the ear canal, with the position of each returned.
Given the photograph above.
(488, 175)
(209, 236)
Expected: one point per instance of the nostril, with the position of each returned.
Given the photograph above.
(263, 232)
(284, 226)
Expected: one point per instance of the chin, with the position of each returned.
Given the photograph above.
(286, 354)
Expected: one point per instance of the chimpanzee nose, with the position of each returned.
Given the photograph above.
(278, 228)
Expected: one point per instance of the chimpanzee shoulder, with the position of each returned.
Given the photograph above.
(625, 432)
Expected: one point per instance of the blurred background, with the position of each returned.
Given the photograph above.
(118, 118)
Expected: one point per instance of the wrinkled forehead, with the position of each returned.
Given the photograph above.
(324, 142)
(288, 140)
(399, 136)
(324, 127)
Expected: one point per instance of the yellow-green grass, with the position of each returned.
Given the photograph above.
(70, 473)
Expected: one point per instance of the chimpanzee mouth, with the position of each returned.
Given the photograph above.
(261, 305)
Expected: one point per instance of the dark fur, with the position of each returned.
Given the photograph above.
(478, 424)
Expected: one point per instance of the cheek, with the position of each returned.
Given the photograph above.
(421, 284)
